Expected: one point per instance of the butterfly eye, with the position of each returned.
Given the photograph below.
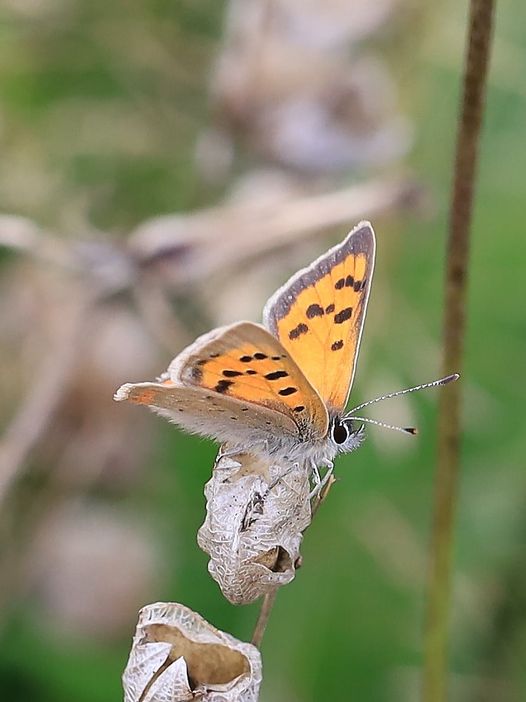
(340, 433)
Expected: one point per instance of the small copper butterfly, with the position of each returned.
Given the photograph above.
(279, 390)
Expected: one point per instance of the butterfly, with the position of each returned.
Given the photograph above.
(280, 389)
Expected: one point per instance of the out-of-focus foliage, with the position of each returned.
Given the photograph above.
(102, 108)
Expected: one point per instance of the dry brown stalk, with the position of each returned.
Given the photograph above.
(450, 426)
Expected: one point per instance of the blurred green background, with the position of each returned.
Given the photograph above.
(101, 107)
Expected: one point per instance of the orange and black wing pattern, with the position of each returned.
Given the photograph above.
(243, 362)
(318, 315)
(236, 383)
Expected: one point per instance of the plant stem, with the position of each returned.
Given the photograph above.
(449, 425)
(263, 617)
(270, 597)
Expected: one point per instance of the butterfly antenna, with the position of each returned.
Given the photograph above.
(433, 384)
(404, 430)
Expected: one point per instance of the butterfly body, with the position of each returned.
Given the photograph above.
(278, 390)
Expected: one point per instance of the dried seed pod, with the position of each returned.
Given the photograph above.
(177, 656)
(256, 513)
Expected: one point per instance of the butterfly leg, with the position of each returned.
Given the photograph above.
(320, 483)
(226, 453)
(316, 479)
(328, 473)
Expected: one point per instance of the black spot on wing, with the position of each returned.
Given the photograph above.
(339, 283)
(245, 359)
(349, 281)
(231, 373)
(299, 408)
(250, 372)
(288, 391)
(314, 310)
(223, 385)
(343, 315)
(260, 356)
(359, 241)
(298, 331)
(276, 374)
(337, 345)
(329, 309)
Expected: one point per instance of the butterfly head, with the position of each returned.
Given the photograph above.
(345, 433)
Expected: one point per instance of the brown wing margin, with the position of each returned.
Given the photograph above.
(318, 315)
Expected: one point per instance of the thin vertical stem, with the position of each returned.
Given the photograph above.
(264, 614)
(449, 425)
(270, 597)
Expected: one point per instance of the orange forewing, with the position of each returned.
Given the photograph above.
(247, 363)
(318, 315)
